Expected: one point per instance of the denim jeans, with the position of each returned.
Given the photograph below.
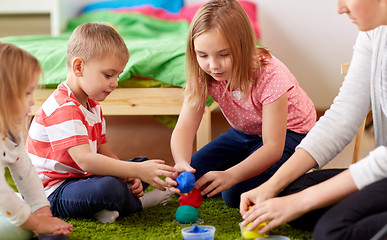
(83, 197)
(233, 147)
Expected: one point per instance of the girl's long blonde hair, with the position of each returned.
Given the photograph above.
(18, 69)
(230, 19)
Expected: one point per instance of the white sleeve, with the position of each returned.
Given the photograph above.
(12, 206)
(371, 168)
(28, 182)
(339, 124)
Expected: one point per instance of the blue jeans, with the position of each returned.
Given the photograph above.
(233, 147)
(83, 197)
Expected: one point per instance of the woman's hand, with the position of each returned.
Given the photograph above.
(214, 182)
(275, 211)
(256, 196)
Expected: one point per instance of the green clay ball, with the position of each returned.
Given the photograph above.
(187, 214)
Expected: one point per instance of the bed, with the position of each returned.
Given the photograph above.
(155, 32)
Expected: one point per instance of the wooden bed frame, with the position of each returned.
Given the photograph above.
(144, 101)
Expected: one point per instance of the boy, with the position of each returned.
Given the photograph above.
(67, 144)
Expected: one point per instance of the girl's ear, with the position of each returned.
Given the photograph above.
(78, 67)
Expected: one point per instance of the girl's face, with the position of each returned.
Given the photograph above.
(29, 96)
(99, 77)
(213, 55)
(366, 14)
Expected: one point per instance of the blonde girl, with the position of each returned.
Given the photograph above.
(19, 76)
(268, 112)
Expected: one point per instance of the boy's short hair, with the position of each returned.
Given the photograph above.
(95, 40)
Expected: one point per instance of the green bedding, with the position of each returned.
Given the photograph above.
(157, 49)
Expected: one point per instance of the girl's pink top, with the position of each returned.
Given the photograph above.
(245, 114)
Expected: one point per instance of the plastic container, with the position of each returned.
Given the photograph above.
(246, 234)
(208, 234)
(273, 237)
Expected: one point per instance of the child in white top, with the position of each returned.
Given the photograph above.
(359, 192)
(261, 99)
(19, 76)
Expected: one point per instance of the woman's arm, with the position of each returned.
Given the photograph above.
(284, 209)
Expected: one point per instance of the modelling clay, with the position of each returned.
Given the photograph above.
(193, 199)
(254, 233)
(197, 229)
(187, 214)
(185, 182)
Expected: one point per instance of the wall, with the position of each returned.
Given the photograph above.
(311, 39)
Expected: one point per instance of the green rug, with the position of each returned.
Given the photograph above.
(158, 223)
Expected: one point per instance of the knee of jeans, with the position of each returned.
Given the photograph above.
(231, 199)
(111, 189)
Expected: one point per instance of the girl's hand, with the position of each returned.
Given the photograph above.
(45, 211)
(276, 211)
(135, 186)
(180, 167)
(51, 225)
(151, 171)
(214, 182)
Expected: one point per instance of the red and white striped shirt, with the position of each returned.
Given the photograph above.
(62, 122)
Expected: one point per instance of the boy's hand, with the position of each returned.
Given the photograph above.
(152, 170)
(135, 186)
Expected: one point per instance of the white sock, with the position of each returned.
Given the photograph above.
(155, 197)
(106, 216)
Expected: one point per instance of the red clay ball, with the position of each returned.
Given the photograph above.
(193, 199)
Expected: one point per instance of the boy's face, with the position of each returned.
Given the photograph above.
(100, 75)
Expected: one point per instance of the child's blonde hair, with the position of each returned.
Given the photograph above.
(232, 22)
(18, 70)
(96, 40)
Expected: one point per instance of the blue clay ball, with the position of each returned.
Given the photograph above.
(187, 214)
(185, 182)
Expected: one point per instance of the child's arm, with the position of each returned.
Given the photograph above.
(95, 163)
(183, 136)
(106, 150)
(274, 116)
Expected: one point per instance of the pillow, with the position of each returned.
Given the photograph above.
(170, 5)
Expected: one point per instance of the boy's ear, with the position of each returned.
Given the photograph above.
(78, 67)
